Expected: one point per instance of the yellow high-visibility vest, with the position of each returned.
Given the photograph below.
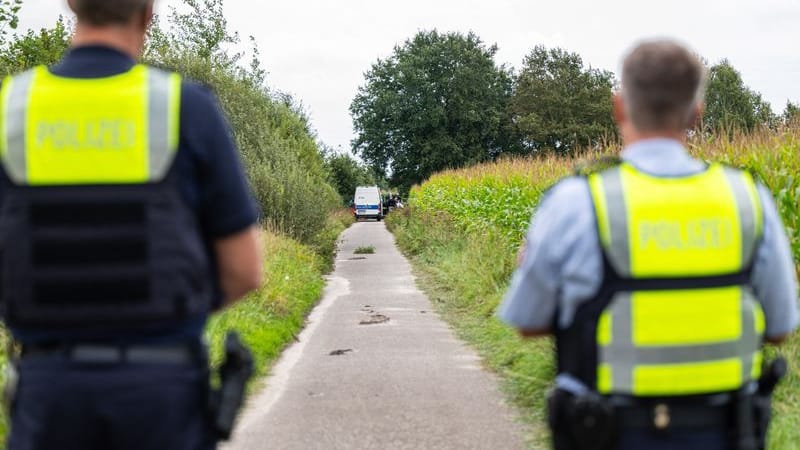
(96, 233)
(683, 322)
(122, 129)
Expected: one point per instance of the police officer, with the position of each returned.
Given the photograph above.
(126, 219)
(660, 277)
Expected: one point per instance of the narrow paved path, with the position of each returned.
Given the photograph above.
(376, 368)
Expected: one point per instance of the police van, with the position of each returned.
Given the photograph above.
(367, 203)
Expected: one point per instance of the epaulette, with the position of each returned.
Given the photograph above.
(596, 165)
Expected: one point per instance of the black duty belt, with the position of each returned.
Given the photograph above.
(183, 354)
(664, 416)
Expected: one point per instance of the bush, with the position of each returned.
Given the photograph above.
(346, 174)
(283, 161)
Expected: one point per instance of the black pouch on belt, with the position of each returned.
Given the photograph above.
(234, 373)
(584, 422)
(592, 422)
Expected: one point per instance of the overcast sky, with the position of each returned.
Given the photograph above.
(318, 50)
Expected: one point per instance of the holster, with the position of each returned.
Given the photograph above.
(10, 383)
(745, 421)
(227, 400)
(10, 377)
(581, 422)
(760, 404)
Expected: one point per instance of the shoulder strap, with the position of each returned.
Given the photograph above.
(13, 105)
(751, 211)
(164, 103)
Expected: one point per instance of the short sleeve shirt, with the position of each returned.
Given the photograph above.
(563, 269)
(212, 181)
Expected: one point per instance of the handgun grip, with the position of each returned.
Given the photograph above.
(775, 371)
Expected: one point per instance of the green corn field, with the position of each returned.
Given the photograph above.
(501, 196)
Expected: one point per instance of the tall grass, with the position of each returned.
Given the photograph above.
(463, 227)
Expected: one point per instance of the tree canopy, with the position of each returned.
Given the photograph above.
(282, 158)
(731, 105)
(9, 16)
(346, 173)
(791, 114)
(559, 104)
(439, 101)
(33, 48)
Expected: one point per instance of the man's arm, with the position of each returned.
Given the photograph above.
(523, 332)
(775, 276)
(560, 259)
(240, 261)
(227, 212)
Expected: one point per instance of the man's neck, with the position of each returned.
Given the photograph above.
(633, 138)
(118, 38)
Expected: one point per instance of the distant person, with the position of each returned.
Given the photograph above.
(126, 219)
(660, 278)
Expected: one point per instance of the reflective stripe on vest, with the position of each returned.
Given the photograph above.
(122, 129)
(678, 341)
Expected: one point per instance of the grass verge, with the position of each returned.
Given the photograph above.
(271, 317)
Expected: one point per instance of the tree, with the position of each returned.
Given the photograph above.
(791, 114)
(284, 164)
(560, 105)
(9, 16)
(46, 47)
(346, 173)
(439, 101)
(731, 105)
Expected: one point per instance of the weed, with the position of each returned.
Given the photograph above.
(365, 250)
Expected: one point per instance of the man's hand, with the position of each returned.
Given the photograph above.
(241, 264)
(777, 340)
(534, 333)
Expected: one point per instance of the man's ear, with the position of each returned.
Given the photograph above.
(147, 16)
(620, 114)
(71, 4)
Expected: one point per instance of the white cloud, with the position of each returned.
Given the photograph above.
(318, 50)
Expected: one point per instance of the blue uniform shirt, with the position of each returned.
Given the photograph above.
(207, 163)
(562, 267)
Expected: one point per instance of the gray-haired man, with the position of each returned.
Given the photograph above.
(660, 279)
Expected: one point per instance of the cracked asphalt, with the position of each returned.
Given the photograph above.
(377, 368)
